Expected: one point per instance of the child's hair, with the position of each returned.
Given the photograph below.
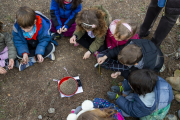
(142, 81)
(130, 55)
(97, 114)
(75, 3)
(122, 32)
(25, 17)
(92, 19)
(1, 26)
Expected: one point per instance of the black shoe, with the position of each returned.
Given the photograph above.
(141, 36)
(56, 36)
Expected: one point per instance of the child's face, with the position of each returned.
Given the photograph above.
(28, 29)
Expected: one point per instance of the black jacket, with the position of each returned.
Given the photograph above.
(152, 56)
(172, 7)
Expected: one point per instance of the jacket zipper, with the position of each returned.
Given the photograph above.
(64, 11)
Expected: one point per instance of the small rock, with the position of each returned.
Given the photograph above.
(40, 117)
(51, 110)
(174, 82)
(179, 114)
(170, 117)
(177, 73)
(177, 97)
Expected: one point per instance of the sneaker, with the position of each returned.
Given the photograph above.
(141, 36)
(24, 66)
(52, 56)
(56, 36)
(162, 69)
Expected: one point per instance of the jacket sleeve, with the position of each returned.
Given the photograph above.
(132, 108)
(72, 17)
(102, 103)
(113, 53)
(20, 44)
(108, 39)
(11, 48)
(44, 39)
(55, 15)
(97, 43)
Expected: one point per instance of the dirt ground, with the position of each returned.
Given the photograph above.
(27, 94)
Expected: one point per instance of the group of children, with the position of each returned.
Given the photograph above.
(116, 46)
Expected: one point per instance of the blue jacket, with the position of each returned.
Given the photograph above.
(57, 12)
(136, 108)
(43, 37)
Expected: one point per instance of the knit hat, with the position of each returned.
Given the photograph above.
(87, 105)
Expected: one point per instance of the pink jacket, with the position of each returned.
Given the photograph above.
(112, 42)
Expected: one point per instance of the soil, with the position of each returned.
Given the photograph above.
(68, 87)
(26, 95)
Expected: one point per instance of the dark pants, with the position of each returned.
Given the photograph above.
(86, 41)
(32, 44)
(165, 25)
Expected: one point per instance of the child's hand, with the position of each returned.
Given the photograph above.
(2, 70)
(59, 31)
(73, 39)
(102, 59)
(115, 75)
(64, 29)
(40, 58)
(11, 64)
(25, 58)
(87, 55)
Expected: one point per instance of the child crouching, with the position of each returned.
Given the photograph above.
(99, 109)
(7, 52)
(31, 36)
(151, 98)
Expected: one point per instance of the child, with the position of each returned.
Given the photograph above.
(63, 14)
(119, 32)
(151, 98)
(31, 37)
(91, 29)
(7, 52)
(136, 54)
(99, 109)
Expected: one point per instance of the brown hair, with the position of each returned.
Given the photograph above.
(25, 17)
(92, 16)
(75, 3)
(130, 55)
(1, 26)
(97, 114)
(122, 32)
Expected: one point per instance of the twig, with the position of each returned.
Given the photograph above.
(167, 55)
(172, 44)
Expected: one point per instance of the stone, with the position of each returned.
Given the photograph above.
(174, 82)
(51, 110)
(40, 117)
(176, 92)
(179, 114)
(177, 97)
(177, 73)
(170, 117)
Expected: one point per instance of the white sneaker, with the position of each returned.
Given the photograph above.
(52, 56)
(162, 69)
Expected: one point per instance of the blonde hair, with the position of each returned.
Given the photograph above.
(97, 114)
(122, 32)
(92, 16)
